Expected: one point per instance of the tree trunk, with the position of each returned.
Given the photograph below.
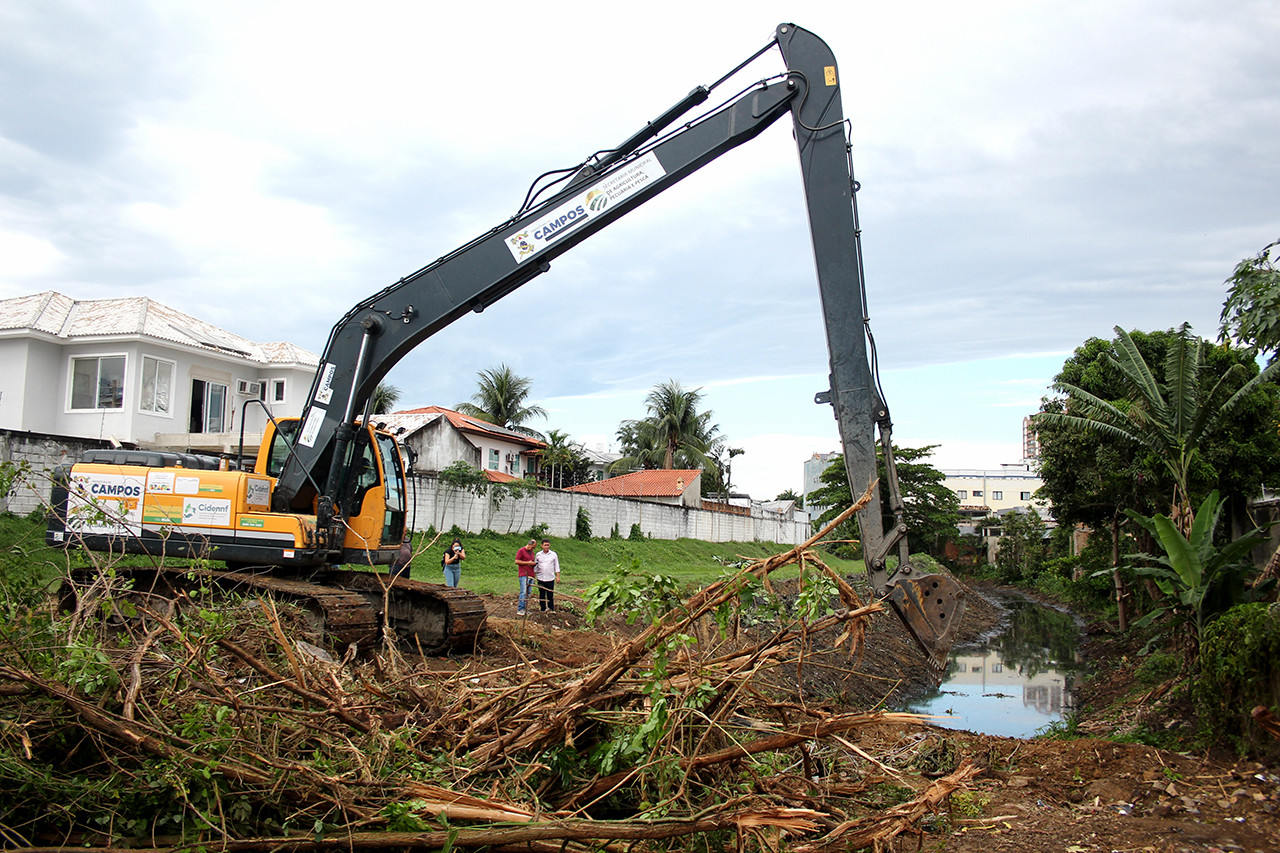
(1122, 591)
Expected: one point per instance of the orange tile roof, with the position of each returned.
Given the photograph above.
(499, 476)
(647, 484)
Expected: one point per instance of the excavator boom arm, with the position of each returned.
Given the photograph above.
(378, 332)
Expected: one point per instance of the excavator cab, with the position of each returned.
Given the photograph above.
(370, 513)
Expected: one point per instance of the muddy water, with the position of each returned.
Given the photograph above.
(1015, 682)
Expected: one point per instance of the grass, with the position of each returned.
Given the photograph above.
(490, 564)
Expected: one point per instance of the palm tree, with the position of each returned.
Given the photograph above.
(501, 400)
(558, 455)
(1169, 418)
(384, 399)
(674, 434)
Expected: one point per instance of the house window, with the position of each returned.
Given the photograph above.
(277, 390)
(157, 384)
(977, 493)
(962, 494)
(997, 496)
(493, 459)
(97, 382)
(208, 406)
(1024, 496)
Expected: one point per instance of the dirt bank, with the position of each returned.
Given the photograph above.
(1079, 795)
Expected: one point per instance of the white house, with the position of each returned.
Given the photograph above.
(135, 371)
(437, 437)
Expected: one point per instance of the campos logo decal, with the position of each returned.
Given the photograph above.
(614, 187)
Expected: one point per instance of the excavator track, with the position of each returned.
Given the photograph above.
(349, 608)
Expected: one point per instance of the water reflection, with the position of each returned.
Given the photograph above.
(1018, 681)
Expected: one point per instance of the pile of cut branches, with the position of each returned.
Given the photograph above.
(171, 725)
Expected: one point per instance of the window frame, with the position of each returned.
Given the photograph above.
(277, 385)
(997, 495)
(204, 416)
(142, 385)
(98, 357)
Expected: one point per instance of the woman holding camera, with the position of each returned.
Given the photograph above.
(452, 563)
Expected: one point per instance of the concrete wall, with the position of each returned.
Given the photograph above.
(433, 504)
(442, 507)
(42, 453)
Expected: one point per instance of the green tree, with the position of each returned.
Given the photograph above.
(931, 511)
(563, 463)
(502, 399)
(675, 434)
(385, 398)
(1199, 579)
(790, 495)
(1251, 314)
(1023, 548)
(1170, 419)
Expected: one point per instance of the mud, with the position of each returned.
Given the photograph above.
(1075, 796)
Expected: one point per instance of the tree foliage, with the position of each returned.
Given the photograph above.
(675, 434)
(931, 511)
(1120, 438)
(1199, 579)
(1251, 314)
(563, 462)
(1023, 549)
(501, 399)
(385, 397)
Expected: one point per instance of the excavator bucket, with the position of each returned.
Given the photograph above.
(931, 606)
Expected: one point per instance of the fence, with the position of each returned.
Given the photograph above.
(434, 504)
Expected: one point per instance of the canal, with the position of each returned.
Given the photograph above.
(1014, 683)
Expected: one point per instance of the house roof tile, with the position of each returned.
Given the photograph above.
(648, 484)
(415, 419)
(59, 315)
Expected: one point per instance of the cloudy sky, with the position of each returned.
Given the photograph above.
(1032, 174)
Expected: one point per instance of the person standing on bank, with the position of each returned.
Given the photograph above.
(524, 573)
(547, 569)
(452, 563)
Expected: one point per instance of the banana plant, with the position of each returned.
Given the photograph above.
(1198, 578)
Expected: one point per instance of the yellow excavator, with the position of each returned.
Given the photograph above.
(328, 488)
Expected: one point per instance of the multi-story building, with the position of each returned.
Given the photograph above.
(813, 468)
(990, 492)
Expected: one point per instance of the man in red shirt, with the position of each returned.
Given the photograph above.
(524, 566)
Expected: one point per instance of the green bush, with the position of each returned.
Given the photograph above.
(1240, 670)
(582, 525)
(636, 534)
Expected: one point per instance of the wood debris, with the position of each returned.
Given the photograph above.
(250, 745)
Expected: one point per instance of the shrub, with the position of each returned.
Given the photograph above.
(615, 533)
(1240, 670)
(539, 531)
(636, 534)
(582, 525)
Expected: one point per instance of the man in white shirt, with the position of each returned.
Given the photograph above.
(546, 568)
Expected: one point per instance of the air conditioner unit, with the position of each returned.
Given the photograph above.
(511, 457)
(248, 389)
